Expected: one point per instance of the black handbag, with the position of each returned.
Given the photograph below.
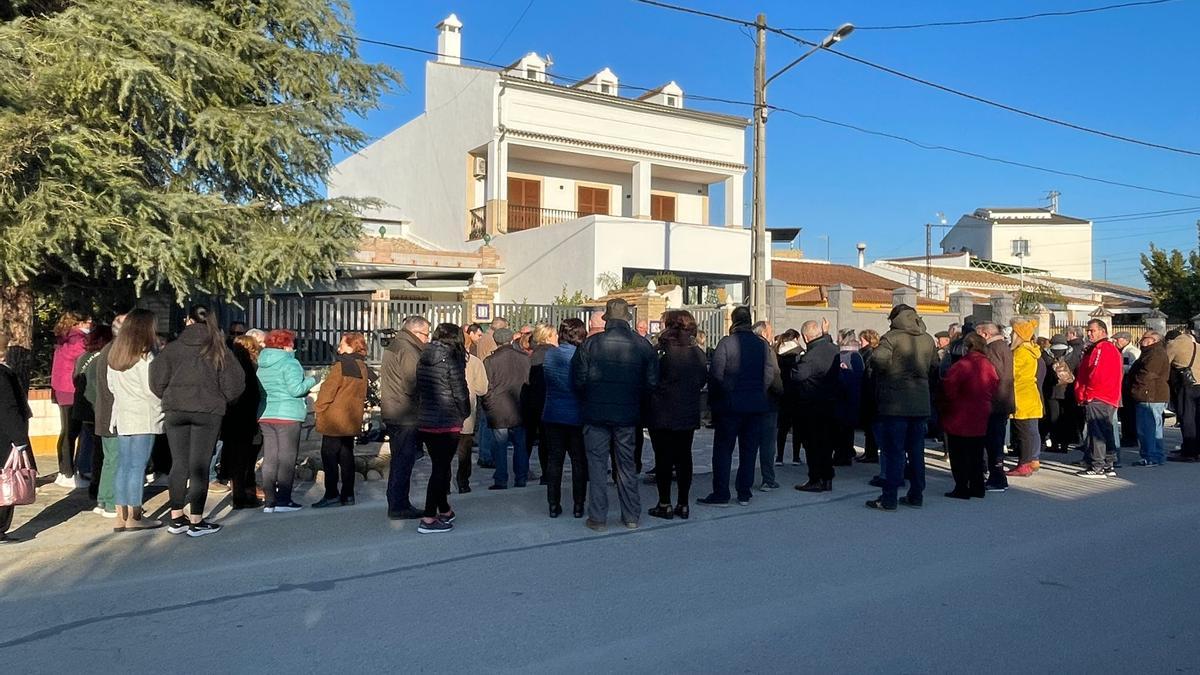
(1187, 375)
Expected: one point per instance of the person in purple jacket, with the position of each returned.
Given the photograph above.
(70, 334)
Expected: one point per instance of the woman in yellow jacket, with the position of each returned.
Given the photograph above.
(1028, 372)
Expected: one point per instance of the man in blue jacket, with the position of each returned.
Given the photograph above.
(743, 371)
(612, 371)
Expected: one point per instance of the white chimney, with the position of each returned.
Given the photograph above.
(450, 40)
(862, 255)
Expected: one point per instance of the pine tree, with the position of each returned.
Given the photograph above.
(181, 144)
(1174, 279)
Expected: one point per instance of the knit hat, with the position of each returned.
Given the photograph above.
(1025, 328)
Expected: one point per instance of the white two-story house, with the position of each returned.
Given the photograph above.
(574, 183)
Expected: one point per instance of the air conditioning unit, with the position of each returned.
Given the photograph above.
(479, 167)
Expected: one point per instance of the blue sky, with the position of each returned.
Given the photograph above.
(1129, 71)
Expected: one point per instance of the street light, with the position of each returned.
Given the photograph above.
(760, 245)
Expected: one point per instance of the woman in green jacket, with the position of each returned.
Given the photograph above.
(284, 390)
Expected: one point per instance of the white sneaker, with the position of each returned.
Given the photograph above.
(72, 483)
(99, 510)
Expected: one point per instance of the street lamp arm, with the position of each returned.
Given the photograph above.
(829, 41)
(789, 66)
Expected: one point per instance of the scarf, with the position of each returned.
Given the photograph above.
(350, 366)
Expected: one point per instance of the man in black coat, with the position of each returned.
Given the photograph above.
(743, 372)
(612, 371)
(14, 426)
(508, 376)
(814, 381)
(1004, 404)
(399, 404)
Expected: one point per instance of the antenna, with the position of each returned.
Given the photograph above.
(1052, 196)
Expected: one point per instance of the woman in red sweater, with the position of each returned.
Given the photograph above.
(966, 402)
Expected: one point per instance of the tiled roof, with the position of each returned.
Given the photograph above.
(400, 251)
(821, 274)
(872, 295)
(963, 275)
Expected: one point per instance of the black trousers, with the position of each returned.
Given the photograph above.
(562, 441)
(843, 443)
(193, 437)
(1127, 416)
(68, 438)
(870, 445)
(673, 455)
(441, 449)
(994, 444)
(97, 459)
(533, 436)
(463, 476)
(239, 453)
(160, 455)
(1187, 411)
(818, 440)
(966, 464)
(337, 461)
(788, 421)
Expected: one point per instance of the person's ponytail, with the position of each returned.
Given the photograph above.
(214, 349)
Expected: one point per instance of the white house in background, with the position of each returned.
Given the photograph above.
(1058, 244)
(570, 182)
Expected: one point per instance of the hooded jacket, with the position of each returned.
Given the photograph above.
(283, 385)
(188, 382)
(398, 380)
(62, 368)
(901, 365)
(1028, 373)
(1099, 375)
(445, 401)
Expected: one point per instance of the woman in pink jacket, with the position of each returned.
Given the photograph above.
(69, 333)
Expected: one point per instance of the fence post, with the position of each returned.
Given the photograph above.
(727, 322)
(477, 301)
(651, 304)
(1002, 309)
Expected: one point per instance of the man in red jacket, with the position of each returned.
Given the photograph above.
(1098, 392)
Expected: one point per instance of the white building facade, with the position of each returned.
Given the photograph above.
(1058, 244)
(571, 183)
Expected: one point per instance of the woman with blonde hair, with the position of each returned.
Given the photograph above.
(137, 415)
(868, 340)
(339, 411)
(70, 334)
(542, 339)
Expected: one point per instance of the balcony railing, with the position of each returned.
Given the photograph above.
(520, 218)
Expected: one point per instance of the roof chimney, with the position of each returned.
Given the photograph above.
(862, 255)
(450, 40)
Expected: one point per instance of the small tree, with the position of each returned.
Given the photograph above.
(1174, 280)
(569, 300)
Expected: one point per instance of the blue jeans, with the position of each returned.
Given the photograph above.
(745, 429)
(405, 445)
(766, 447)
(902, 441)
(132, 454)
(483, 435)
(500, 440)
(1149, 418)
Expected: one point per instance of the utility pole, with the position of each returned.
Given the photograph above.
(928, 257)
(758, 291)
(1105, 261)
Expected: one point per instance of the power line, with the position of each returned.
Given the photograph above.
(973, 22)
(977, 155)
(928, 83)
(990, 102)
(846, 125)
(1147, 213)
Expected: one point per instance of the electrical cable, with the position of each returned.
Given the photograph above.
(1003, 19)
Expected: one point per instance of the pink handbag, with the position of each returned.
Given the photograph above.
(18, 479)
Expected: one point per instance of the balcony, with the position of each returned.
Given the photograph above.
(520, 218)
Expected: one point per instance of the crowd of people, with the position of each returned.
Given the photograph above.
(135, 407)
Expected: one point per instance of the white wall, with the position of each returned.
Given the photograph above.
(542, 260)
(561, 113)
(1061, 250)
(421, 168)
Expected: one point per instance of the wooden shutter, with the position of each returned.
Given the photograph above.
(662, 207)
(592, 200)
(524, 203)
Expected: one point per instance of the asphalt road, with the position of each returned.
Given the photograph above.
(1058, 575)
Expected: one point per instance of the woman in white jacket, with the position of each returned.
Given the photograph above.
(137, 416)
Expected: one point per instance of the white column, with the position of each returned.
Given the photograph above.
(496, 186)
(734, 203)
(641, 190)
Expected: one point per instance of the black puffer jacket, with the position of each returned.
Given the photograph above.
(188, 382)
(612, 371)
(534, 401)
(444, 401)
(240, 424)
(675, 400)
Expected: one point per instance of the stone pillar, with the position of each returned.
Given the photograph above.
(734, 202)
(651, 304)
(641, 191)
(477, 301)
(961, 305)
(1156, 321)
(905, 295)
(727, 323)
(1043, 318)
(496, 188)
(776, 304)
(1002, 309)
(841, 305)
